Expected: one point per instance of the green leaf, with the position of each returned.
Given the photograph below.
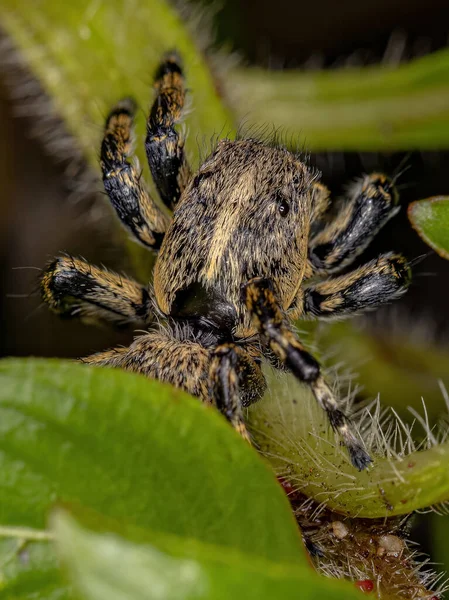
(89, 55)
(396, 362)
(439, 534)
(292, 432)
(132, 448)
(136, 450)
(30, 571)
(430, 218)
(373, 108)
(70, 49)
(108, 566)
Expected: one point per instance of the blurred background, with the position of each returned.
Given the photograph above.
(41, 215)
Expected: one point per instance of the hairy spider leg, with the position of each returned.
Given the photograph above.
(73, 288)
(164, 145)
(320, 202)
(373, 200)
(375, 283)
(122, 181)
(159, 355)
(237, 381)
(227, 376)
(267, 317)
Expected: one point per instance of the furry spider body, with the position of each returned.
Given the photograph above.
(248, 232)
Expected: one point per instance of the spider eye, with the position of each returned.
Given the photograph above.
(284, 207)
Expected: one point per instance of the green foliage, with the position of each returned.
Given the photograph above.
(158, 468)
(84, 68)
(87, 55)
(372, 108)
(439, 531)
(129, 447)
(170, 568)
(430, 218)
(190, 505)
(132, 450)
(30, 570)
(291, 430)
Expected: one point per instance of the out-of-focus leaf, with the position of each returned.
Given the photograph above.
(83, 67)
(439, 535)
(88, 54)
(30, 571)
(108, 566)
(373, 108)
(397, 363)
(131, 449)
(430, 218)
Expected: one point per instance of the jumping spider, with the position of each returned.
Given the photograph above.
(249, 230)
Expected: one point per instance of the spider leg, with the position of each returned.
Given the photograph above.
(320, 202)
(123, 184)
(227, 376)
(73, 288)
(163, 144)
(237, 381)
(159, 355)
(260, 300)
(373, 201)
(375, 283)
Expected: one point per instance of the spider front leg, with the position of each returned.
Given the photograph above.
(373, 201)
(377, 282)
(163, 144)
(237, 381)
(260, 300)
(134, 206)
(73, 288)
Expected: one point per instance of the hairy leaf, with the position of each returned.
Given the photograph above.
(292, 432)
(87, 55)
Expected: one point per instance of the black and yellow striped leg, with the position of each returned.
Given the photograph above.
(260, 300)
(377, 282)
(163, 144)
(237, 381)
(73, 288)
(373, 201)
(122, 181)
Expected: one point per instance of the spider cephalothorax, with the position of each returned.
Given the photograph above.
(249, 231)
